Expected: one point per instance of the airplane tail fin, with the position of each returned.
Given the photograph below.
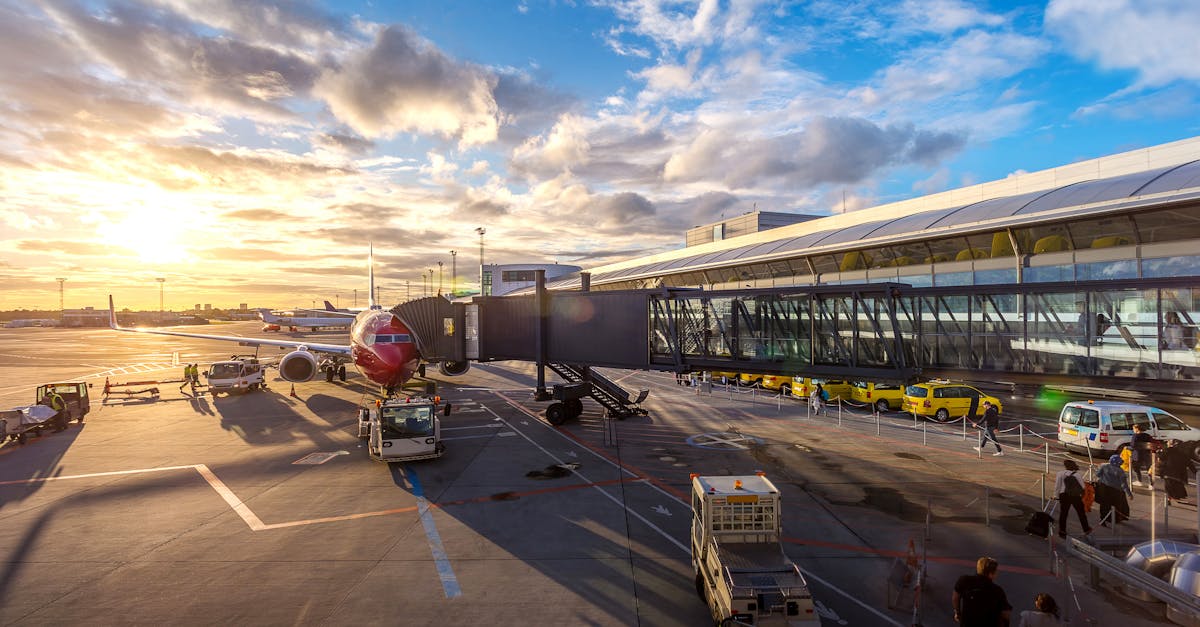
(266, 316)
(112, 314)
(329, 306)
(371, 304)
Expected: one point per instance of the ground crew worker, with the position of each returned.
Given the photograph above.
(54, 401)
(187, 376)
(194, 375)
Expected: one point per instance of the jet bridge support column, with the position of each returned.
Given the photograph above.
(541, 306)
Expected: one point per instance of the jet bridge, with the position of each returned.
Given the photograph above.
(1110, 334)
(824, 331)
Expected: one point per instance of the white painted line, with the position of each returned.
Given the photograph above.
(599, 489)
(238, 506)
(97, 474)
(808, 575)
(490, 425)
(472, 437)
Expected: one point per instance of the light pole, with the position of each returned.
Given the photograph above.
(481, 231)
(161, 281)
(60, 298)
(337, 301)
(356, 298)
(430, 292)
(439, 278)
(453, 272)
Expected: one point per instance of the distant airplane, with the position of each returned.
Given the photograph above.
(381, 346)
(275, 323)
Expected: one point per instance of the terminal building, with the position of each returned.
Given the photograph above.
(501, 279)
(1089, 270)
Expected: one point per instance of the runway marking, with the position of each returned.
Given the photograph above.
(442, 562)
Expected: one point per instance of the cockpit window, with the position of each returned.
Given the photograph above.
(399, 338)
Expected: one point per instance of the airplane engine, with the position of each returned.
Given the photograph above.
(454, 368)
(298, 366)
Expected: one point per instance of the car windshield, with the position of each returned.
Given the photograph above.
(407, 421)
(1073, 415)
(1167, 422)
(224, 371)
(917, 391)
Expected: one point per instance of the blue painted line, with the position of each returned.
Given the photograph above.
(440, 560)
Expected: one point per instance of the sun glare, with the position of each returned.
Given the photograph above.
(154, 235)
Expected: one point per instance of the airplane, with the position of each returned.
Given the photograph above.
(381, 347)
(275, 323)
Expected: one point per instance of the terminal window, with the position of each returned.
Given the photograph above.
(511, 276)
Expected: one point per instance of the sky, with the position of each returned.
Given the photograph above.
(248, 151)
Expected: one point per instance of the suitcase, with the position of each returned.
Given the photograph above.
(1039, 523)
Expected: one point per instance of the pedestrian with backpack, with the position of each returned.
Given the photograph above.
(1069, 488)
(978, 600)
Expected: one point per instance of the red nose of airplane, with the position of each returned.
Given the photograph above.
(384, 352)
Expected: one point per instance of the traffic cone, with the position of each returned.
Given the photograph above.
(293, 394)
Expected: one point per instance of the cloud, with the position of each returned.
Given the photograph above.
(1157, 39)
(404, 84)
(344, 143)
(933, 71)
(828, 150)
(259, 215)
(294, 24)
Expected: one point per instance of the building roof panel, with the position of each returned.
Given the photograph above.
(1185, 176)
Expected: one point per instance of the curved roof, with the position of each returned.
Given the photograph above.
(1074, 200)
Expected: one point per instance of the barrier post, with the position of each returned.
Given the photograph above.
(1047, 445)
(779, 403)
(924, 435)
(1021, 437)
(877, 433)
(839, 411)
(1043, 482)
(964, 428)
(928, 516)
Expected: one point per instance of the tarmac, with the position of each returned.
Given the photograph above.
(265, 508)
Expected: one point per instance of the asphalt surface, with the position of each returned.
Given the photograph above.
(185, 509)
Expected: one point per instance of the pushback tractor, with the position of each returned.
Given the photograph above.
(741, 570)
(401, 429)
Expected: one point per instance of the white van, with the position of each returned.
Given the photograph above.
(1106, 427)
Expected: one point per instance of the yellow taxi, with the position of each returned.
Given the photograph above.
(774, 381)
(803, 386)
(750, 379)
(883, 396)
(943, 400)
(724, 377)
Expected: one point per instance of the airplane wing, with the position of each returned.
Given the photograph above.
(333, 349)
(332, 314)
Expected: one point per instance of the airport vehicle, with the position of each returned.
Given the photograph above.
(18, 422)
(883, 396)
(235, 375)
(381, 347)
(803, 386)
(1105, 427)
(742, 573)
(311, 323)
(750, 379)
(400, 429)
(941, 400)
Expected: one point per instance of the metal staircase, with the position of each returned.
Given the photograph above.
(583, 381)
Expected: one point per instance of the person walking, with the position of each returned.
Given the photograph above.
(978, 601)
(1069, 488)
(1140, 452)
(194, 375)
(991, 422)
(187, 376)
(1177, 466)
(817, 399)
(1113, 491)
(1044, 614)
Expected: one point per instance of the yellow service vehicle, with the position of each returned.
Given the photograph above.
(942, 400)
(724, 377)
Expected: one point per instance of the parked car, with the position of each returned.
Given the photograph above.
(942, 400)
(883, 396)
(803, 386)
(1106, 427)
